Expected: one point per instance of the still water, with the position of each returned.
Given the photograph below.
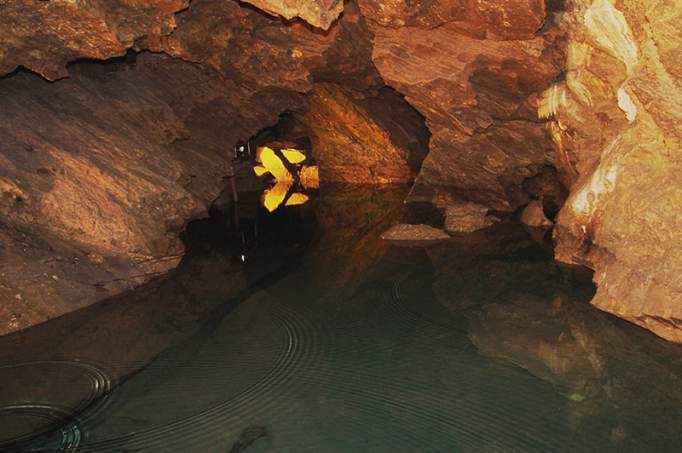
(302, 331)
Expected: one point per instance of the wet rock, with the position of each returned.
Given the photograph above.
(414, 234)
(467, 217)
(318, 13)
(533, 215)
(478, 98)
(376, 140)
(616, 120)
(247, 438)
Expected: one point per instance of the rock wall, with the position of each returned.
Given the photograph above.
(616, 122)
(45, 36)
(525, 101)
(101, 171)
(474, 70)
(99, 174)
(377, 140)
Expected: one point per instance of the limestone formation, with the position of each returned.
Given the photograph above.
(318, 13)
(419, 234)
(523, 100)
(616, 122)
(481, 19)
(478, 98)
(370, 141)
(96, 185)
(45, 36)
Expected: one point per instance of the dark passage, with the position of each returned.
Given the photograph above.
(301, 331)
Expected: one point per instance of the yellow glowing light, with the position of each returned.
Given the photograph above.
(293, 155)
(310, 177)
(270, 162)
(296, 199)
(273, 164)
(274, 196)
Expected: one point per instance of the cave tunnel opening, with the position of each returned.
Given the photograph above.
(328, 226)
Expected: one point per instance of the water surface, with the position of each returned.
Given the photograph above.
(303, 332)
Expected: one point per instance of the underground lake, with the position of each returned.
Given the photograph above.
(317, 335)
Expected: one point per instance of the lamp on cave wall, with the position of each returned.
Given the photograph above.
(242, 150)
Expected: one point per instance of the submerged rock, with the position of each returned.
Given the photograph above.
(248, 437)
(414, 234)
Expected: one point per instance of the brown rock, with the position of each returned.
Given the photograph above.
(616, 121)
(533, 215)
(414, 234)
(318, 13)
(515, 19)
(100, 172)
(379, 140)
(478, 100)
(467, 217)
(45, 36)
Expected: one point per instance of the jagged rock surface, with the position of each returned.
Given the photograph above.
(482, 19)
(318, 13)
(616, 121)
(478, 98)
(100, 172)
(45, 36)
(366, 141)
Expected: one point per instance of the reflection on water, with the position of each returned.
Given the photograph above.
(285, 166)
(328, 340)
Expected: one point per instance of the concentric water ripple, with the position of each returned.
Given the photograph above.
(44, 402)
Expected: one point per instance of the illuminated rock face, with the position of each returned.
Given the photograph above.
(318, 13)
(95, 166)
(368, 141)
(478, 97)
(493, 19)
(616, 122)
(100, 172)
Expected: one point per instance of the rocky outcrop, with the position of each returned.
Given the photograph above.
(419, 234)
(477, 95)
(481, 19)
(100, 173)
(534, 216)
(318, 13)
(615, 120)
(45, 36)
(367, 141)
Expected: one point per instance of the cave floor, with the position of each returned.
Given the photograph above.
(323, 338)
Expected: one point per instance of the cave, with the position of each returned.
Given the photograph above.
(340, 225)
